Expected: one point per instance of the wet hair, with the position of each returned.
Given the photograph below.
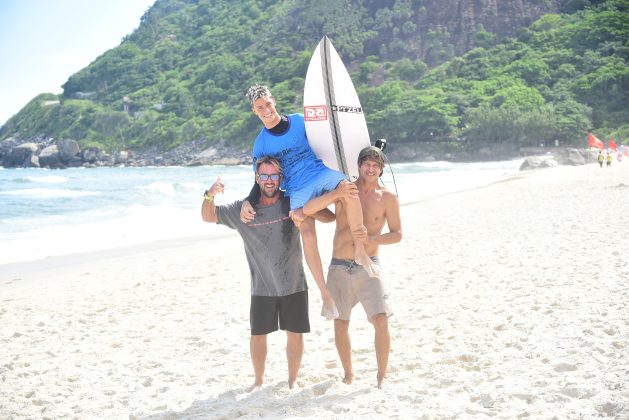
(373, 153)
(256, 92)
(271, 161)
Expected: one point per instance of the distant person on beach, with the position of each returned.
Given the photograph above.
(609, 159)
(601, 158)
(305, 177)
(279, 292)
(348, 282)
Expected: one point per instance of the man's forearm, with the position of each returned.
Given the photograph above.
(386, 238)
(208, 211)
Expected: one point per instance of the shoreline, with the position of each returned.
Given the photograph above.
(79, 260)
(14, 268)
(510, 300)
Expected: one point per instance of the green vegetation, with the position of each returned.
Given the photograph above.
(183, 73)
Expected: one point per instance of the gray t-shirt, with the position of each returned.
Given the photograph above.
(272, 246)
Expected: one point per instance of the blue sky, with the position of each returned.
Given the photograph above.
(43, 42)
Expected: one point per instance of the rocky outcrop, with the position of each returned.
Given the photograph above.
(68, 149)
(567, 156)
(536, 162)
(6, 146)
(20, 155)
(213, 156)
(49, 157)
(67, 153)
(576, 156)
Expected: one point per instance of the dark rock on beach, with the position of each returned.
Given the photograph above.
(67, 153)
(567, 156)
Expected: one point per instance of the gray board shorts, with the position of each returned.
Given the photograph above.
(349, 283)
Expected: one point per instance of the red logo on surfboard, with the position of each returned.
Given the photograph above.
(316, 113)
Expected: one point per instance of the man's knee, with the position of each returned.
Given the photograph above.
(341, 325)
(258, 338)
(348, 200)
(307, 228)
(380, 322)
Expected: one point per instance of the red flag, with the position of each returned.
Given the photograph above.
(612, 144)
(594, 142)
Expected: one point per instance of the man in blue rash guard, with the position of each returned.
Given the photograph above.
(305, 177)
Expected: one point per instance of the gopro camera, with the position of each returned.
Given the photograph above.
(381, 144)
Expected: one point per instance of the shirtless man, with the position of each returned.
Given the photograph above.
(348, 282)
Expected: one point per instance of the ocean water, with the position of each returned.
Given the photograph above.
(47, 213)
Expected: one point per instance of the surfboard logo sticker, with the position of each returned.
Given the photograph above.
(316, 113)
(350, 109)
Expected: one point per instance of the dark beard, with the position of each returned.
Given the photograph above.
(266, 194)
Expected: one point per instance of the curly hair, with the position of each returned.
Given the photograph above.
(256, 92)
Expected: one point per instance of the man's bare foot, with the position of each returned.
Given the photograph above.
(255, 387)
(294, 385)
(381, 382)
(348, 379)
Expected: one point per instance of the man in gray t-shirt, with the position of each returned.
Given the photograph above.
(279, 292)
(272, 247)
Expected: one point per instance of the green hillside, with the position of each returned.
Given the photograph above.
(182, 75)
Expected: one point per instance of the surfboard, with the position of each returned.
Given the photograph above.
(335, 123)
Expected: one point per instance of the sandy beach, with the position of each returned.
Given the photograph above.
(510, 301)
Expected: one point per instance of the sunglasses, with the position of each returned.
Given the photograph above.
(266, 177)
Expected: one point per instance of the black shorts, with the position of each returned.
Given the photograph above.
(291, 312)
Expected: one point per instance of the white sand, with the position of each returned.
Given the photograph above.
(510, 302)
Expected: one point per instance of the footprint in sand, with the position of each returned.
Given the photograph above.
(321, 389)
(609, 409)
(528, 398)
(610, 331)
(485, 400)
(565, 367)
(577, 393)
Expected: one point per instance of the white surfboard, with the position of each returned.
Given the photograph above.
(335, 123)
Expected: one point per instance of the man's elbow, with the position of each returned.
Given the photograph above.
(397, 236)
(209, 218)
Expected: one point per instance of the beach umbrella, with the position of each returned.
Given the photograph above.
(595, 142)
